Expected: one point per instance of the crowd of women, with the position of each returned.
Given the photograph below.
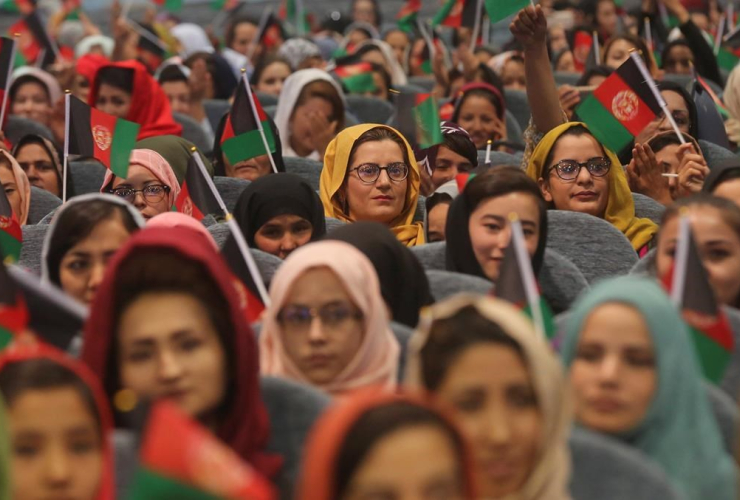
(417, 392)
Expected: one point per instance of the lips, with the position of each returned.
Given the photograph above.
(606, 405)
(383, 198)
(318, 360)
(585, 195)
(500, 470)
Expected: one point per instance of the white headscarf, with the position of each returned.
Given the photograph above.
(398, 77)
(192, 39)
(85, 45)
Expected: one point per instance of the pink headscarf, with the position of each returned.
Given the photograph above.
(23, 185)
(376, 361)
(177, 219)
(152, 161)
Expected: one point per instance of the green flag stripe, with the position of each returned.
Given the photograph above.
(547, 317)
(427, 124)
(11, 248)
(603, 125)
(124, 140)
(501, 9)
(362, 82)
(712, 356)
(148, 485)
(5, 338)
(443, 13)
(248, 145)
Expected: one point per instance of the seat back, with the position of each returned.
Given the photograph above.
(267, 99)
(725, 411)
(431, 255)
(714, 153)
(560, 280)
(596, 247)
(332, 224)
(370, 109)
(518, 104)
(564, 78)
(731, 379)
(499, 158)
(444, 284)
(648, 207)
(403, 334)
(230, 188)
(215, 110)
(266, 263)
(193, 132)
(42, 203)
(513, 130)
(17, 127)
(424, 82)
(87, 176)
(33, 244)
(309, 170)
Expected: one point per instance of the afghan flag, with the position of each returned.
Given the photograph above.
(418, 119)
(517, 284)
(7, 53)
(196, 197)
(498, 10)
(13, 311)
(151, 50)
(242, 136)
(406, 18)
(226, 5)
(19, 6)
(583, 43)
(357, 78)
(33, 41)
(457, 13)
(11, 236)
(94, 134)
(691, 291)
(270, 31)
(170, 5)
(237, 261)
(621, 107)
(180, 459)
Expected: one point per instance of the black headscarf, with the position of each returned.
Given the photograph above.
(218, 164)
(403, 283)
(724, 170)
(54, 153)
(274, 195)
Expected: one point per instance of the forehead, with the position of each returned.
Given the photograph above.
(576, 147)
(674, 100)
(707, 223)
(616, 324)
(622, 45)
(380, 152)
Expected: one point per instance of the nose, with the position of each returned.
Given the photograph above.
(499, 426)
(32, 173)
(383, 181)
(139, 200)
(288, 243)
(57, 467)
(584, 176)
(96, 276)
(609, 369)
(316, 331)
(169, 367)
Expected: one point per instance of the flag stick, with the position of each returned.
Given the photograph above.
(679, 263)
(730, 14)
(235, 230)
(486, 33)
(476, 28)
(67, 97)
(654, 89)
(40, 59)
(259, 123)
(10, 70)
(427, 38)
(648, 33)
(731, 33)
(525, 264)
(597, 51)
(266, 12)
(488, 153)
(126, 9)
(663, 14)
(720, 31)
(146, 34)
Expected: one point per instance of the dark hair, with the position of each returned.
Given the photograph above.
(600, 70)
(172, 73)
(222, 76)
(449, 337)
(323, 90)
(42, 374)
(636, 41)
(462, 145)
(231, 29)
(25, 79)
(376, 424)
(376, 8)
(167, 271)
(437, 199)
(503, 180)
(725, 170)
(660, 142)
(669, 86)
(730, 211)
(486, 75)
(377, 68)
(379, 134)
(263, 64)
(575, 131)
(120, 78)
(495, 101)
(75, 223)
(670, 46)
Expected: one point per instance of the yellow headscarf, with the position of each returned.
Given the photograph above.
(336, 161)
(620, 208)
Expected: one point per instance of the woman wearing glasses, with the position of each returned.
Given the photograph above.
(370, 173)
(575, 172)
(151, 185)
(327, 324)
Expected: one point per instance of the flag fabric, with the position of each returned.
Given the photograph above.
(94, 134)
(690, 289)
(35, 46)
(13, 311)
(234, 258)
(583, 43)
(499, 10)
(7, 49)
(357, 78)
(516, 283)
(270, 32)
(11, 236)
(711, 126)
(456, 13)
(241, 139)
(406, 18)
(418, 119)
(196, 198)
(19, 6)
(180, 459)
(170, 5)
(226, 5)
(151, 50)
(620, 108)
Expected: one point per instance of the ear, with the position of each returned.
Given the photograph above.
(545, 189)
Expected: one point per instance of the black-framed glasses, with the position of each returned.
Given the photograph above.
(331, 315)
(370, 172)
(568, 170)
(153, 193)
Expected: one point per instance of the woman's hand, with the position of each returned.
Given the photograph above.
(323, 131)
(529, 27)
(645, 176)
(569, 99)
(692, 171)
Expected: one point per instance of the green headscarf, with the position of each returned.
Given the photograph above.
(4, 454)
(679, 431)
(176, 151)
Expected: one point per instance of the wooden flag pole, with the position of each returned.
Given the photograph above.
(259, 123)
(67, 97)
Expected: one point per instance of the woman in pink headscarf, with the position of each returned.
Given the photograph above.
(151, 185)
(177, 219)
(327, 325)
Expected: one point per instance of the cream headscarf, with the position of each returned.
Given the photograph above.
(620, 208)
(398, 77)
(336, 162)
(731, 97)
(549, 478)
(23, 186)
(376, 361)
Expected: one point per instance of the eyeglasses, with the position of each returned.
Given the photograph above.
(331, 315)
(154, 193)
(568, 170)
(370, 172)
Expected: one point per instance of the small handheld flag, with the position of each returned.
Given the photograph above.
(456, 13)
(11, 235)
(35, 44)
(406, 17)
(13, 311)
(711, 125)
(498, 10)
(170, 5)
(357, 78)
(196, 197)
(417, 118)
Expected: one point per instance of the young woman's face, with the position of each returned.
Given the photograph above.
(478, 117)
(380, 201)
(282, 234)
(606, 17)
(302, 133)
(392, 469)
(719, 249)
(490, 229)
(150, 203)
(619, 52)
(614, 370)
(558, 39)
(499, 411)
(448, 165)
(376, 57)
(680, 60)
(272, 78)
(566, 63)
(513, 75)
(586, 193)
(178, 93)
(250, 170)
(113, 101)
(244, 34)
(381, 88)
(364, 11)
(81, 88)
(11, 187)
(59, 457)
(82, 268)
(39, 167)
(680, 111)
(399, 42)
(31, 101)
(729, 190)
(323, 344)
(437, 222)
(169, 348)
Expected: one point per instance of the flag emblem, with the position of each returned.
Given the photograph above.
(187, 207)
(102, 136)
(625, 106)
(5, 222)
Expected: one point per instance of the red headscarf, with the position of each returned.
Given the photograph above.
(89, 64)
(317, 480)
(246, 427)
(150, 107)
(28, 350)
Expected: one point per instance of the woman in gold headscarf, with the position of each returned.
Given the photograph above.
(575, 172)
(370, 173)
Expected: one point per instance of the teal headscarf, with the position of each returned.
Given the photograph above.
(679, 431)
(4, 455)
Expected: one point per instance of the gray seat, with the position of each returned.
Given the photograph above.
(42, 203)
(126, 460)
(33, 243)
(648, 207)
(431, 256)
(230, 188)
(309, 169)
(645, 266)
(293, 409)
(410, 87)
(403, 334)
(267, 263)
(193, 132)
(370, 109)
(563, 78)
(267, 99)
(560, 280)
(513, 130)
(684, 80)
(731, 380)
(714, 153)
(215, 110)
(444, 284)
(725, 411)
(518, 104)
(606, 469)
(596, 247)
(332, 224)
(499, 158)
(16, 128)
(87, 176)
(424, 82)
